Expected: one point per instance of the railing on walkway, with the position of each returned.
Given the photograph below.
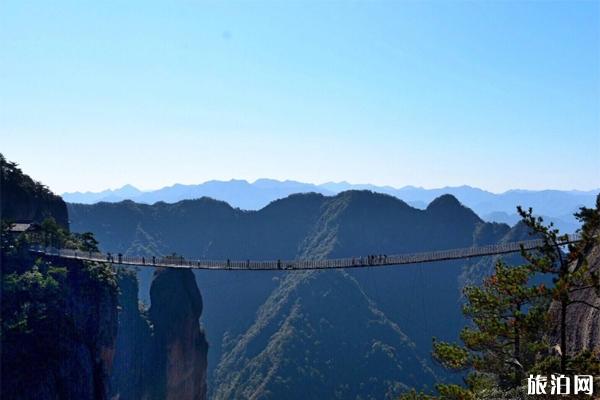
(352, 262)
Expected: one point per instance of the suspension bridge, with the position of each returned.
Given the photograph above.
(379, 260)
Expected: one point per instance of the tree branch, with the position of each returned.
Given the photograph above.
(584, 303)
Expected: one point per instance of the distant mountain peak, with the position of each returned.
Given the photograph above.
(127, 190)
(445, 201)
(448, 206)
(128, 186)
(368, 194)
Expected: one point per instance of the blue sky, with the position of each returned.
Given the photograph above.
(492, 94)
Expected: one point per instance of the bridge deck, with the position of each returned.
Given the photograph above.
(288, 265)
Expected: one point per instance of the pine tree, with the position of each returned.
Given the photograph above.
(570, 271)
(507, 314)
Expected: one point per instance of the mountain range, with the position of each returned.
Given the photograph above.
(557, 206)
(334, 334)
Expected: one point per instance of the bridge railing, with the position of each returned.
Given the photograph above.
(349, 262)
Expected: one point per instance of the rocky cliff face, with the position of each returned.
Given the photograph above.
(59, 330)
(180, 347)
(59, 317)
(73, 330)
(92, 305)
(129, 379)
(583, 321)
(162, 355)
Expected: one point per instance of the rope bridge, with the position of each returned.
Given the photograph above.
(291, 265)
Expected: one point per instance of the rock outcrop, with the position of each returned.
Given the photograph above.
(180, 347)
(59, 317)
(129, 378)
(67, 349)
(92, 305)
(162, 355)
(74, 330)
(583, 321)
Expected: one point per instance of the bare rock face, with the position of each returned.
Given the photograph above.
(179, 346)
(161, 354)
(92, 304)
(70, 355)
(583, 322)
(133, 345)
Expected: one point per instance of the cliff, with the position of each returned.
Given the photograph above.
(583, 321)
(180, 347)
(59, 317)
(161, 354)
(129, 379)
(74, 330)
(59, 327)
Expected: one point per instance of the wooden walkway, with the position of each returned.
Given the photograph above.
(292, 265)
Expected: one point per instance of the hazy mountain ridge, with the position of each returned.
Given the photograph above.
(557, 205)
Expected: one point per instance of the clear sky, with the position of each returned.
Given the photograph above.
(498, 95)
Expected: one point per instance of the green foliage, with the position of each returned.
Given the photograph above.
(7, 242)
(11, 174)
(33, 318)
(52, 234)
(30, 297)
(23, 198)
(87, 242)
(586, 363)
(451, 356)
(455, 392)
(414, 395)
(101, 273)
(507, 314)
